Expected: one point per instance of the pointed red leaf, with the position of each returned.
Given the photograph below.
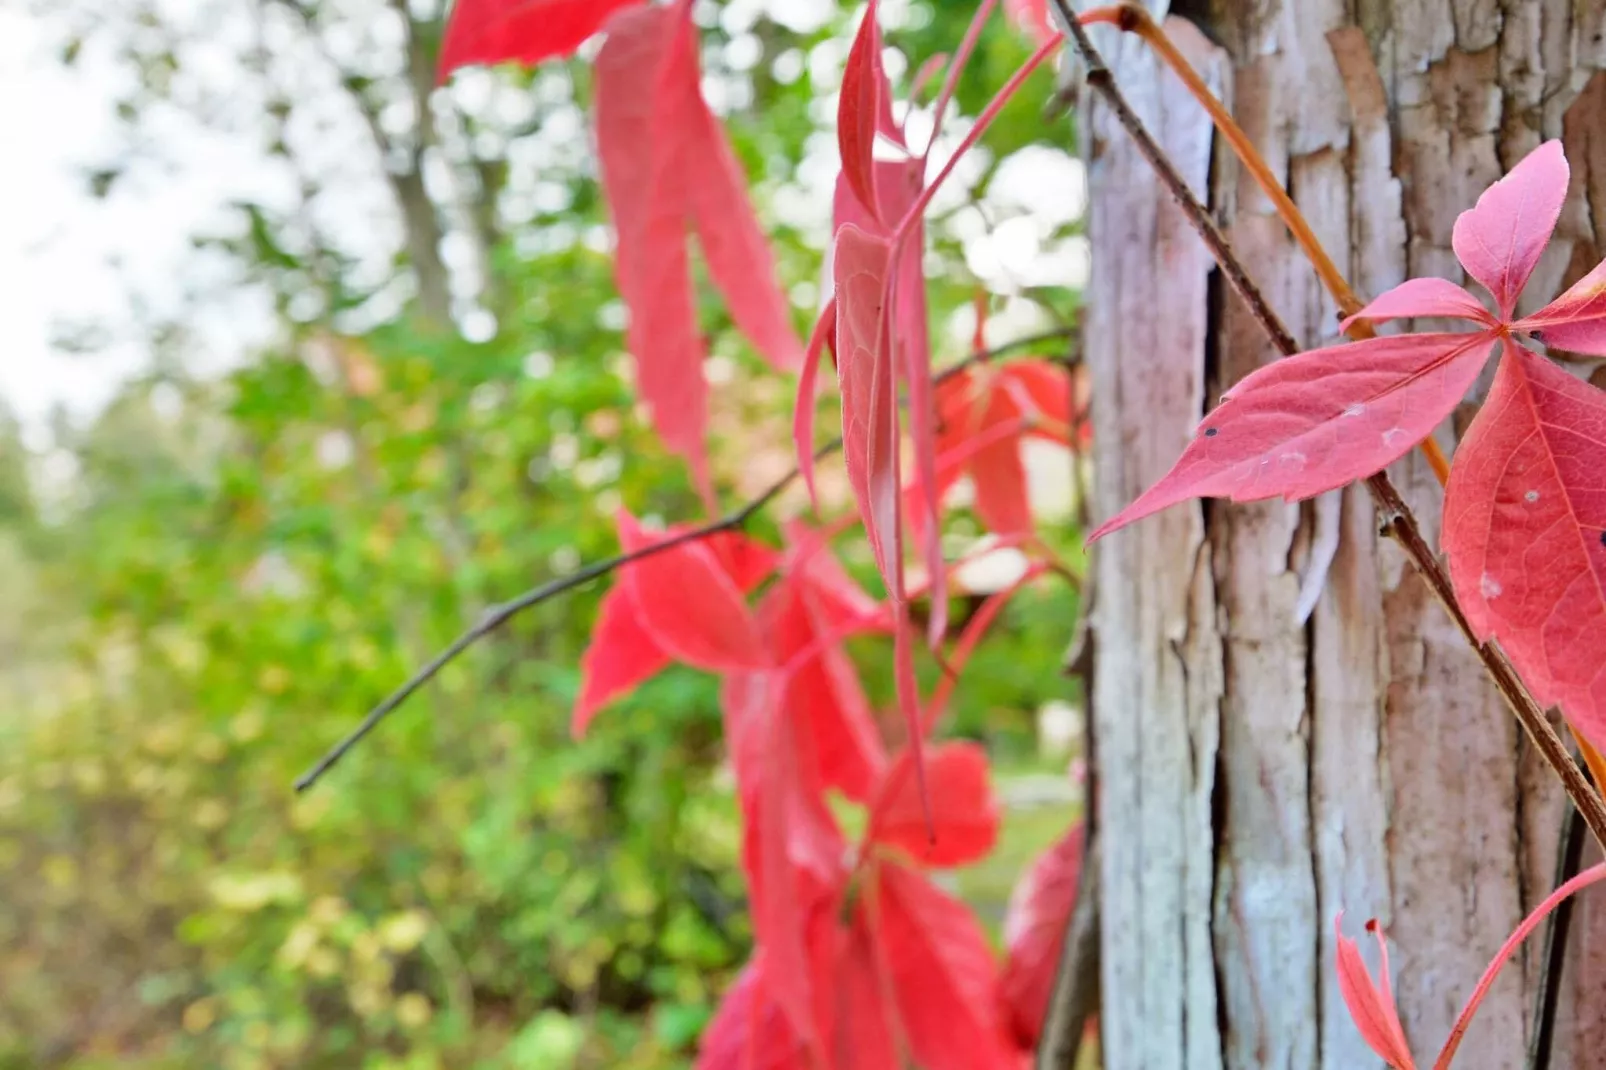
(620, 655)
(941, 972)
(1576, 320)
(1318, 420)
(1034, 929)
(1499, 240)
(667, 167)
(1032, 17)
(750, 1031)
(964, 812)
(821, 693)
(622, 652)
(840, 602)
(521, 31)
(1371, 1006)
(738, 253)
(869, 398)
(1525, 531)
(648, 112)
(689, 605)
(792, 850)
(859, 110)
(807, 390)
(1423, 297)
(863, 1037)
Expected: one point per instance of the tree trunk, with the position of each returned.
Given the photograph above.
(1260, 775)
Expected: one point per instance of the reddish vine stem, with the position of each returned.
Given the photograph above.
(498, 615)
(1133, 18)
(1395, 517)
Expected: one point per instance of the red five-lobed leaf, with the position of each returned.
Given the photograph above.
(521, 31)
(964, 814)
(667, 168)
(1034, 930)
(1525, 531)
(1371, 1006)
(1318, 420)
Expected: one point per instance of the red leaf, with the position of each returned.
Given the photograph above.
(1318, 420)
(1576, 320)
(1423, 297)
(792, 850)
(941, 972)
(863, 1033)
(1031, 16)
(1371, 1006)
(869, 399)
(738, 254)
(1499, 240)
(859, 110)
(689, 605)
(666, 168)
(1034, 929)
(1525, 531)
(984, 412)
(619, 657)
(521, 31)
(821, 694)
(623, 652)
(750, 1031)
(807, 389)
(964, 813)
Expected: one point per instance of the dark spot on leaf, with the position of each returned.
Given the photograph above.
(1211, 432)
(1603, 538)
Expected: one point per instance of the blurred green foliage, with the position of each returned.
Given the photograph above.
(229, 572)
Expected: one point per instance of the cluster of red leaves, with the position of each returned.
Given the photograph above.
(862, 961)
(1525, 508)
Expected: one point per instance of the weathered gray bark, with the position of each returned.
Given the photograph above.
(1258, 775)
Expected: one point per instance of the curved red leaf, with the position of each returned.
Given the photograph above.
(521, 31)
(648, 110)
(1371, 1006)
(821, 693)
(620, 655)
(667, 167)
(1576, 320)
(1034, 929)
(807, 390)
(1499, 239)
(859, 111)
(964, 812)
(1318, 420)
(686, 601)
(792, 850)
(1525, 531)
(750, 1031)
(943, 978)
(869, 398)
(1422, 297)
(863, 1035)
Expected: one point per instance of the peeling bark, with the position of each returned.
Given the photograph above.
(1258, 774)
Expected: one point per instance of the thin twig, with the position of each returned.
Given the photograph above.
(1396, 519)
(1547, 996)
(498, 615)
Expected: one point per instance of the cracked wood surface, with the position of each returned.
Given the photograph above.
(1257, 775)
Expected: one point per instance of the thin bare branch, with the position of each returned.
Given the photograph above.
(498, 615)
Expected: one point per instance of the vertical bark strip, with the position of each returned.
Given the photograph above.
(1258, 776)
(1158, 689)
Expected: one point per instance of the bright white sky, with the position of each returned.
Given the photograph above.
(60, 249)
